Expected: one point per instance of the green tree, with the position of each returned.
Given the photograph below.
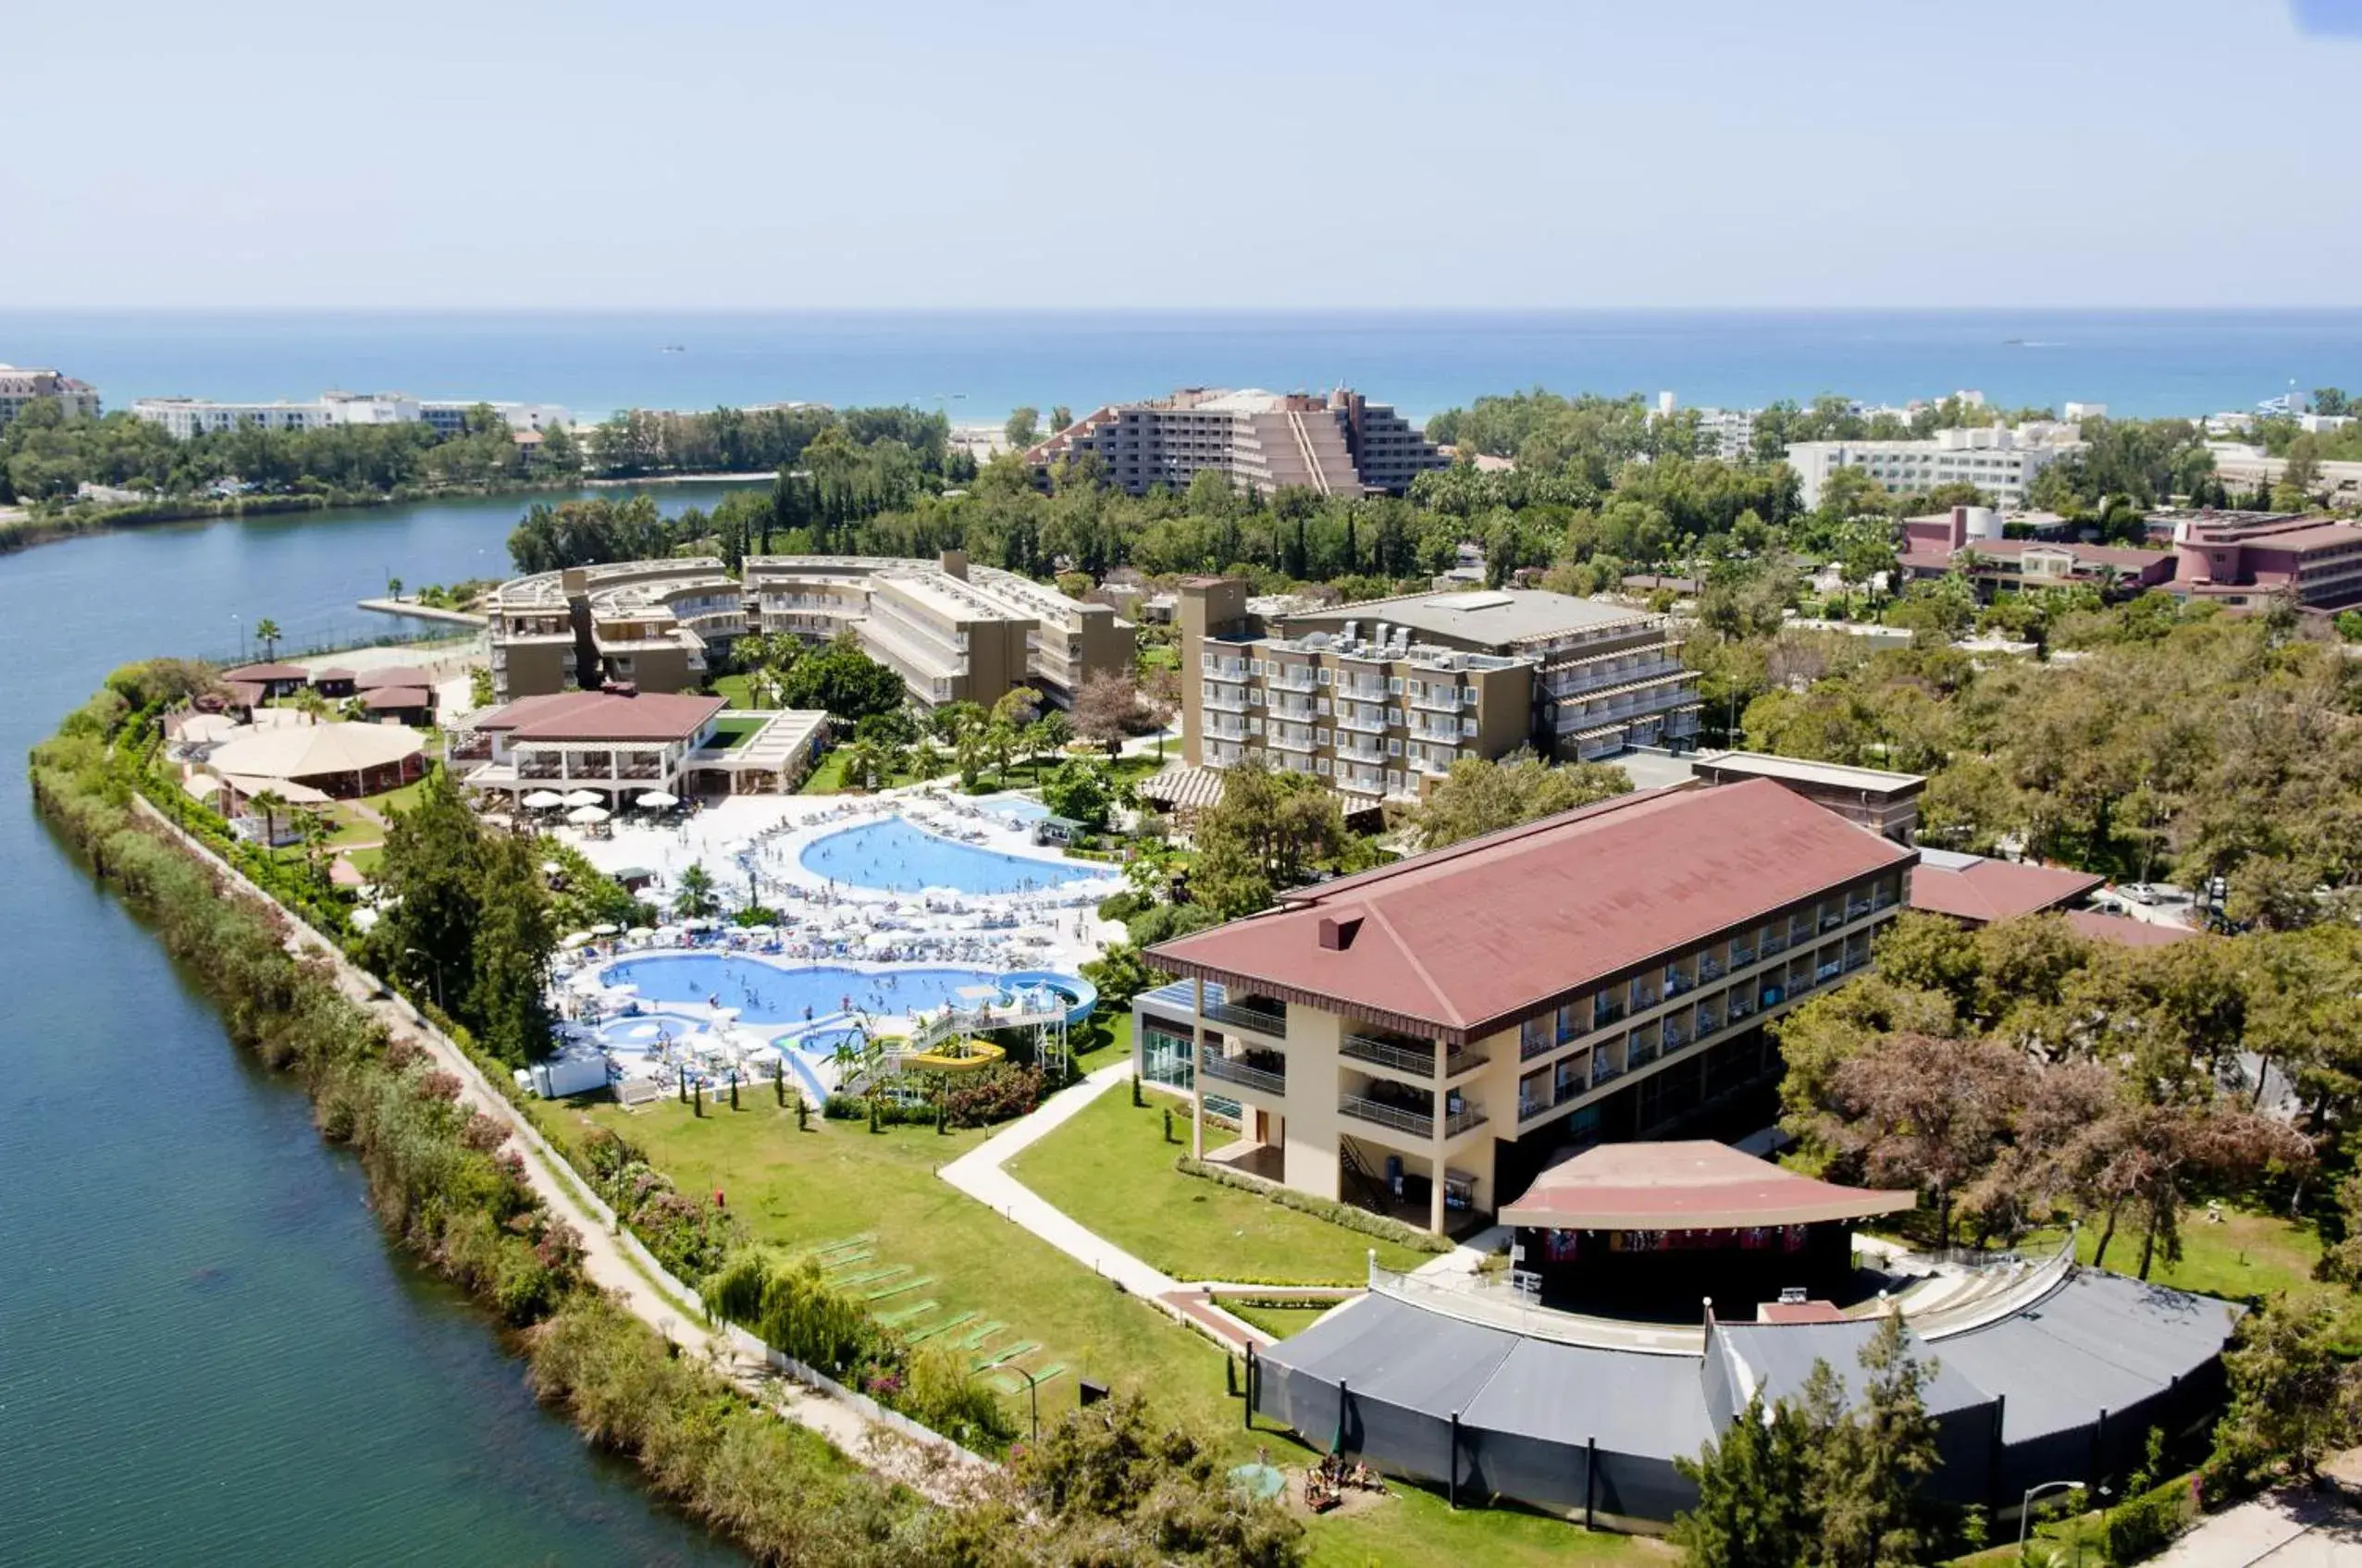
(845, 681)
(1863, 1490)
(694, 897)
(2294, 1395)
(1479, 796)
(1023, 428)
(1269, 832)
(266, 632)
(507, 999)
(1752, 1484)
(1083, 791)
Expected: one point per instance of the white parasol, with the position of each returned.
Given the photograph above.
(574, 939)
(587, 816)
(543, 800)
(605, 928)
(581, 797)
(657, 800)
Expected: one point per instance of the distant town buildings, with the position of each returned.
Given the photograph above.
(1725, 433)
(20, 387)
(1379, 696)
(1337, 443)
(2241, 466)
(952, 632)
(187, 417)
(2002, 462)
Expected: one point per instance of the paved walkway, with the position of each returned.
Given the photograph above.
(605, 1262)
(979, 1173)
(2290, 1530)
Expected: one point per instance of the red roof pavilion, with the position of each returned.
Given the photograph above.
(1698, 1185)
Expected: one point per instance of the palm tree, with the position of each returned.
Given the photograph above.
(766, 686)
(926, 759)
(315, 834)
(970, 753)
(847, 1058)
(393, 587)
(1047, 735)
(313, 705)
(266, 632)
(864, 764)
(269, 802)
(696, 898)
(1000, 739)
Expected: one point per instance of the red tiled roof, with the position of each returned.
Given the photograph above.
(1466, 939)
(245, 694)
(2125, 929)
(331, 674)
(267, 672)
(393, 675)
(1695, 1185)
(596, 715)
(398, 697)
(1997, 890)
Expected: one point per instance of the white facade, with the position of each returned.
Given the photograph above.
(449, 415)
(23, 386)
(1996, 460)
(185, 417)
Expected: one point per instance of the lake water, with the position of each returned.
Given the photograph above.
(976, 365)
(208, 1353)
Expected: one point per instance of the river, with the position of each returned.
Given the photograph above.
(208, 1352)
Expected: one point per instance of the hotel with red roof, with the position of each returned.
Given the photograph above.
(1419, 1038)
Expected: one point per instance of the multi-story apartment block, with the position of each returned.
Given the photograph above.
(1725, 433)
(448, 417)
(2003, 463)
(2242, 562)
(1376, 698)
(20, 387)
(1337, 443)
(955, 632)
(185, 417)
(648, 622)
(1421, 1037)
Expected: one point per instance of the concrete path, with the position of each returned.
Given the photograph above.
(979, 1173)
(2287, 1529)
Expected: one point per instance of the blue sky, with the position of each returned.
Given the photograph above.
(1212, 153)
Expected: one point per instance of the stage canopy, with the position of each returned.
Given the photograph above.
(307, 751)
(1686, 1186)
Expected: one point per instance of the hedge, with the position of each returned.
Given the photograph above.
(2141, 1526)
(1335, 1213)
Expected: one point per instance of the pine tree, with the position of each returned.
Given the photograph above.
(1863, 1491)
(1752, 1485)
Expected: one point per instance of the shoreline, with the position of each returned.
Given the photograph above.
(28, 529)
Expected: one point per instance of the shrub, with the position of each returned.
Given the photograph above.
(1352, 1218)
(2141, 1526)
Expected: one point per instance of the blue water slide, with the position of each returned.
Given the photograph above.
(1081, 992)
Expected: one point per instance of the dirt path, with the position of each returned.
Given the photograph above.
(605, 1260)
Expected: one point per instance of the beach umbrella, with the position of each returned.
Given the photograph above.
(576, 939)
(581, 797)
(543, 800)
(587, 816)
(364, 920)
(641, 931)
(657, 800)
(605, 928)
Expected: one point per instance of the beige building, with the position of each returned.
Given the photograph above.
(1421, 1038)
(649, 622)
(1376, 697)
(21, 388)
(1337, 443)
(954, 632)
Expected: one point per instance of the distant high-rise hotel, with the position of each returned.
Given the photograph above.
(21, 388)
(1337, 443)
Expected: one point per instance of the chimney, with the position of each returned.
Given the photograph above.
(954, 564)
(1337, 935)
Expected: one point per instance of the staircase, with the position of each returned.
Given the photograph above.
(1361, 1186)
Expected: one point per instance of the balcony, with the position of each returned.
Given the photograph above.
(1362, 751)
(1416, 1058)
(1363, 1108)
(1240, 1015)
(1606, 1013)
(1463, 1118)
(1446, 700)
(1230, 701)
(1239, 1070)
(1857, 907)
(1528, 1107)
(1366, 724)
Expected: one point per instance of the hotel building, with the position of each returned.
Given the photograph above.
(2003, 463)
(953, 631)
(1421, 1038)
(1337, 443)
(1378, 697)
(649, 622)
(20, 387)
(187, 417)
(2241, 562)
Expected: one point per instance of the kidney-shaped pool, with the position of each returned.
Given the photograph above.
(895, 856)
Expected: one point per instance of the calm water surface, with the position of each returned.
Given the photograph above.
(208, 1353)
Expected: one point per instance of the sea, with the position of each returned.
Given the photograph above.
(977, 366)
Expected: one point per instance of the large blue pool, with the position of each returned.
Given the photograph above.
(898, 857)
(767, 993)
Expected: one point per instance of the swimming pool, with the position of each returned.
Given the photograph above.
(898, 857)
(1017, 808)
(768, 994)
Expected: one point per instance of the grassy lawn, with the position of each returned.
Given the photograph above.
(733, 690)
(394, 800)
(839, 1180)
(1104, 1040)
(1111, 1169)
(366, 861)
(1280, 1322)
(731, 733)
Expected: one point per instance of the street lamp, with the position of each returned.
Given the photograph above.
(1033, 1388)
(438, 972)
(2025, 1509)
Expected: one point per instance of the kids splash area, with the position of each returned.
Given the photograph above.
(892, 929)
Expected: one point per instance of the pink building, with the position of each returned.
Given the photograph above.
(2241, 563)
(1969, 538)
